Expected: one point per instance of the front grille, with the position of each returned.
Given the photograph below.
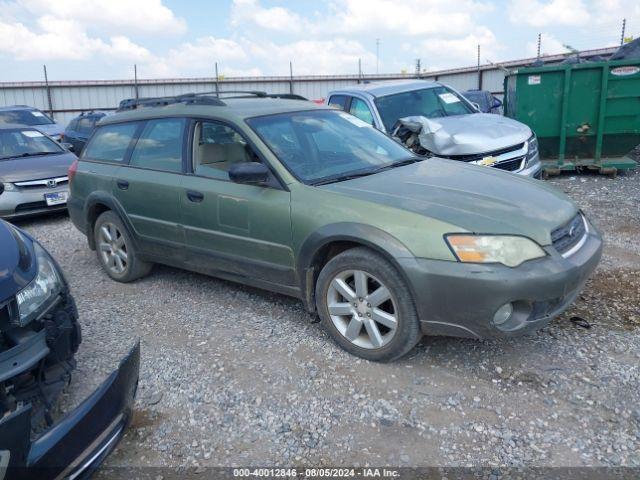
(479, 156)
(25, 207)
(43, 183)
(509, 165)
(569, 235)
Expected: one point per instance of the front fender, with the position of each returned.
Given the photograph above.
(366, 235)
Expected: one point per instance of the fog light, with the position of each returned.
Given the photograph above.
(503, 314)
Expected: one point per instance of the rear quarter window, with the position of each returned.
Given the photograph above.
(110, 143)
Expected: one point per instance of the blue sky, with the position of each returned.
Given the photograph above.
(102, 39)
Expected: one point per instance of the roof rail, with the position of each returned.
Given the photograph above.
(187, 98)
(197, 98)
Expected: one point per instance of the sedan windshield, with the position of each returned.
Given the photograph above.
(431, 102)
(25, 117)
(26, 143)
(326, 145)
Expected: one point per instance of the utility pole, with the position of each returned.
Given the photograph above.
(418, 67)
(479, 72)
(217, 78)
(539, 44)
(377, 55)
(359, 70)
(46, 82)
(624, 26)
(135, 79)
(291, 77)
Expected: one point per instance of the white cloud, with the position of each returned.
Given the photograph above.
(197, 58)
(546, 13)
(275, 18)
(57, 39)
(461, 51)
(313, 57)
(137, 16)
(409, 17)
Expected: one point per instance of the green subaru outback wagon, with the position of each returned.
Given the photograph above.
(311, 202)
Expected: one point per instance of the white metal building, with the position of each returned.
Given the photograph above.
(66, 99)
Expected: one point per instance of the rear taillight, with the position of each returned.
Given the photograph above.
(72, 170)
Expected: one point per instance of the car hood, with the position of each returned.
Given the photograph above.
(50, 128)
(469, 134)
(473, 198)
(35, 168)
(17, 265)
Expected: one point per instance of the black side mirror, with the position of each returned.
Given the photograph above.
(252, 173)
(496, 103)
(68, 146)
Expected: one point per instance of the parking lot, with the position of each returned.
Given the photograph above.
(232, 375)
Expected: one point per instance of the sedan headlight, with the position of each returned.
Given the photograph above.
(532, 148)
(7, 187)
(508, 250)
(41, 290)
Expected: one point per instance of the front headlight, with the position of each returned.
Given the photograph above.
(42, 289)
(7, 187)
(532, 148)
(508, 250)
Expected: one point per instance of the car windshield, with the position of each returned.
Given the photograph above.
(431, 102)
(26, 143)
(25, 117)
(328, 145)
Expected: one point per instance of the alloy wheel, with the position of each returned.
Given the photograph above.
(362, 309)
(113, 248)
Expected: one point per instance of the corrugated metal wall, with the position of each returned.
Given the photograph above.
(70, 98)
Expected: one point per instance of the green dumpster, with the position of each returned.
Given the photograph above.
(585, 115)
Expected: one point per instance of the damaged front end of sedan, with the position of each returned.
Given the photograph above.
(497, 142)
(39, 336)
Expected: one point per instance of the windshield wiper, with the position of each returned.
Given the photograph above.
(30, 154)
(342, 178)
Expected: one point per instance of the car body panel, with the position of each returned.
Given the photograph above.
(76, 445)
(34, 168)
(471, 197)
(247, 222)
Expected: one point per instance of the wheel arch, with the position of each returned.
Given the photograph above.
(331, 240)
(97, 203)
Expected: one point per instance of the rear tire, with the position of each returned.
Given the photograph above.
(365, 305)
(115, 249)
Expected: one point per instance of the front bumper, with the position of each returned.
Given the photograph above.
(460, 299)
(27, 202)
(75, 446)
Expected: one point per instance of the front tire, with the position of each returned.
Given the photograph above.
(115, 250)
(365, 305)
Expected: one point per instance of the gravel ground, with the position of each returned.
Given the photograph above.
(233, 376)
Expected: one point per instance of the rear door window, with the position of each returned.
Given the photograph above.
(360, 109)
(160, 145)
(338, 101)
(85, 125)
(110, 143)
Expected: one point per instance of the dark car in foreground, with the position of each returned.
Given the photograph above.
(80, 129)
(313, 202)
(39, 336)
(31, 117)
(33, 172)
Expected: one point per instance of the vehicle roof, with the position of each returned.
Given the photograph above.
(17, 107)
(234, 108)
(13, 126)
(381, 89)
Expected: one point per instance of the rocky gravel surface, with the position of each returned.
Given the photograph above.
(233, 376)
